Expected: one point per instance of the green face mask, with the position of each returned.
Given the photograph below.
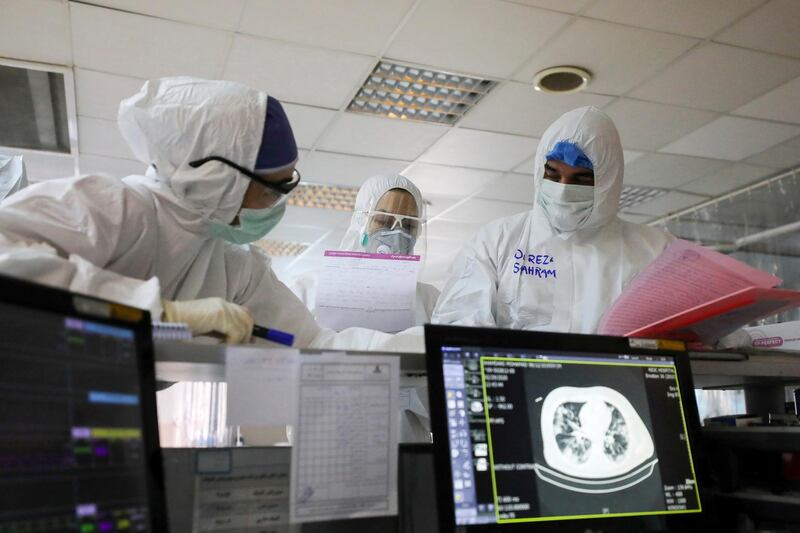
(253, 224)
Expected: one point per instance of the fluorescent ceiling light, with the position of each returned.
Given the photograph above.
(631, 195)
(281, 248)
(404, 92)
(323, 197)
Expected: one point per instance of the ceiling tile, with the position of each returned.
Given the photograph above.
(294, 233)
(295, 73)
(567, 6)
(732, 138)
(527, 166)
(450, 231)
(518, 108)
(144, 47)
(718, 77)
(635, 217)
(510, 188)
(686, 17)
(380, 137)
(784, 155)
(668, 171)
(480, 211)
(480, 149)
(629, 156)
(668, 203)
(346, 170)
(114, 166)
(307, 122)
(649, 126)
(310, 216)
(42, 166)
(607, 51)
(730, 178)
(481, 37)
(35, 30)
(99, 94)
(362, 26)
(772, 28)
(102, 137)
(213, 13)
(781, 104)
(435, 204)
(449, 181)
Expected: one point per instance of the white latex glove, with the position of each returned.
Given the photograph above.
(211, 315)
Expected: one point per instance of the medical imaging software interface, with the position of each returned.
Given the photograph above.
(536, 437)
(71, 449)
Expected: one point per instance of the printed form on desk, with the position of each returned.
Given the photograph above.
(684, 276)
(242, 490)
(344, 454)
(375, 291)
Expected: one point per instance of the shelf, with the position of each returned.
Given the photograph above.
(763, 438)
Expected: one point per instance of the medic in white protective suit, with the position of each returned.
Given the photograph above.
(373, 229)
(161, 241)
(561, 265)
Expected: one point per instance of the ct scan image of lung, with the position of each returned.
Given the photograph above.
(594, 441)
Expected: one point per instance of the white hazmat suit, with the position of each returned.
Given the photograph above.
(13, 175)
(305, 285)
(519, 272)
(144, 238)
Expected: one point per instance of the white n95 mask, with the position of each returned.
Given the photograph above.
(567, 207)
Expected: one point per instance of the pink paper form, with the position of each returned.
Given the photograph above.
(684, 276)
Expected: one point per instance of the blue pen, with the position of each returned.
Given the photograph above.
(274, 335)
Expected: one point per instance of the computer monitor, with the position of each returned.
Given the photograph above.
(78, 433)
(562, 432)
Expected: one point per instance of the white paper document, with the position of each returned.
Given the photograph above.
(344, 456)
(242, 490)
(262, 386)
(375, 291)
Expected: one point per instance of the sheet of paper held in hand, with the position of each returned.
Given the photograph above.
(261, 386)
(684, 276)
(344, 454)
(242, 490)
(375, 291)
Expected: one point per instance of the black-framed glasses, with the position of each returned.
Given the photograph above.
(284, 187)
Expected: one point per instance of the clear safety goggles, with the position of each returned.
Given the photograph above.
(284, 187)
(377, 220)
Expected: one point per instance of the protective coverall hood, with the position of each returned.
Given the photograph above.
(595, 134)
(172, 122)
(368, 195)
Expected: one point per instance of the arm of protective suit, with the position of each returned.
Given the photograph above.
(469, 296)
(64, 233)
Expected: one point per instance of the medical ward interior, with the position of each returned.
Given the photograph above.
(113, 420)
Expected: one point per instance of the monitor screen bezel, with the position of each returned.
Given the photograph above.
(58, 301)
(457, 336)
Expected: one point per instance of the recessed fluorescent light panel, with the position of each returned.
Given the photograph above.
(631, 196)
(281, 248)
(411, 93)
(323, 197)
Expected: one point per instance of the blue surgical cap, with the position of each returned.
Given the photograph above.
(569, 153)
(278, 147)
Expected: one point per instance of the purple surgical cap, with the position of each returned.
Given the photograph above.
(278, 147)
(569, 153)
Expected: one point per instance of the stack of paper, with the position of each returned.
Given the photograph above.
(694, 293)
